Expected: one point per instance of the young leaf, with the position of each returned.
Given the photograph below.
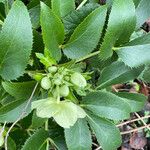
(134, 56)
(52, 30)
(106, 104)
(15, 42)
(116, 73)
(62, 7)
(86, 35)
(20, 90)
(121, 18)
(135, 100)
(107, 134)
(36, 140)
(142, 12)
(78, 137)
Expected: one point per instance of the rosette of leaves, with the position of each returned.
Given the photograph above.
(81, 54)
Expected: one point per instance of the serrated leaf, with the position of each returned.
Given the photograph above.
(86, 35)
(135, 100)
(108, 136)
(65, 113)
(62, 7)
(116, 73)
(146, 74)
(121, 18)
(36, 140)
(78, 137)
(142, 40)
(20, 90)
(136, 2)
(106, 104)
(52, 31)
(142, 12)
(37, 121)
(15, 42)
(35, 16)
(11, 144)
(73, 19)
(12, 111)
(134, 56)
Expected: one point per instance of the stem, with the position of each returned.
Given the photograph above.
(46, 128)
(58, 95)
(88, 56)
(83, 2)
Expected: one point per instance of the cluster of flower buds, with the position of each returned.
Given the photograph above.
(60, 81)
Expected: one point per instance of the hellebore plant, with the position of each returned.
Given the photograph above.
(58, 62)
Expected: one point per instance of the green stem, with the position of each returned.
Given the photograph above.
(46, 128)
(88, 56)
(83, 2)
(93, 54)
(58, 95)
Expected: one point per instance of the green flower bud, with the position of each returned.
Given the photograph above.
(52, 69)
(57, 81)
(45, 83)
(64, 91)
(78, 80)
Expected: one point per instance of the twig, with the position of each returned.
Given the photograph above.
(134, 130)
(142, 120)
(130, 121)
(83, 2)
(21, 115)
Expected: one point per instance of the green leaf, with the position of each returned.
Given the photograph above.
(86, 35)
(65, 113)
(116, 73)
(142, 12)
(73, 19)
(136, 2)
(78, 137)
(36, 140)
(52, 31)
(142, 40)
(37, 121)
(135, 56)
(106, 104)
(11, 144)
(20, 90)
(62, 7)
(121, 18)
(15, 42)
(12, 111)
(146, 74)
(135, 100)
(108, 136)
(35, 16)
